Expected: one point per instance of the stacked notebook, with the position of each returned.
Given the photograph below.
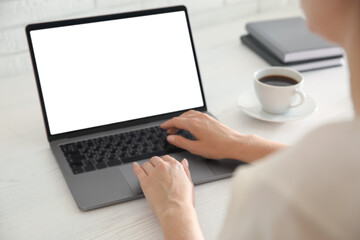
(288, 42)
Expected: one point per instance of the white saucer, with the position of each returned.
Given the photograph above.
(250, 105)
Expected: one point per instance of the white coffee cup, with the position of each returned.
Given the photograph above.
(277, 99)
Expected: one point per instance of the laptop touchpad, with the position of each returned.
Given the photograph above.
(128, 173)
(198, 168)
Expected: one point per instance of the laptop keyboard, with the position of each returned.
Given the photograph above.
(113, 150)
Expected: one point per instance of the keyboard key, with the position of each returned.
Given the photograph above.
(77, 170)
(77, 158)
(76, 164)
(101, 165)
(99, 159)
(89, 168)
(112, 163)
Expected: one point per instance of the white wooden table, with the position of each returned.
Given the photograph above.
(35, 202)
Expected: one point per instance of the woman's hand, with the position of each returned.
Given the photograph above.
(215, 140)
(166, 184)
(169, 190)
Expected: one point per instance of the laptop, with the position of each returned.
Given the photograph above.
(105, 85)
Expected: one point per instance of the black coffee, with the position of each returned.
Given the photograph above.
(276, 80)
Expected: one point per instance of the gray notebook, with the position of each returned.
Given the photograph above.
(290, 40)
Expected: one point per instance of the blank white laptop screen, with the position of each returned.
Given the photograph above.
(106, 72)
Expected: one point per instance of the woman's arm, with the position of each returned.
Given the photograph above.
(181, 223)
(215, 140)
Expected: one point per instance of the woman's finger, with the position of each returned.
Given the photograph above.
(185, 164)
(172, 130)
(181, 142)
(155, 161)
(139, 171)
(167, 158)
(148, 167)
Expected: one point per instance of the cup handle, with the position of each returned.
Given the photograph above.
(302, 99)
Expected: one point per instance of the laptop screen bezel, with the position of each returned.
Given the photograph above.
(108, 127)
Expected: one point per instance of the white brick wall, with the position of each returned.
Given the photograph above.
(16, 14)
